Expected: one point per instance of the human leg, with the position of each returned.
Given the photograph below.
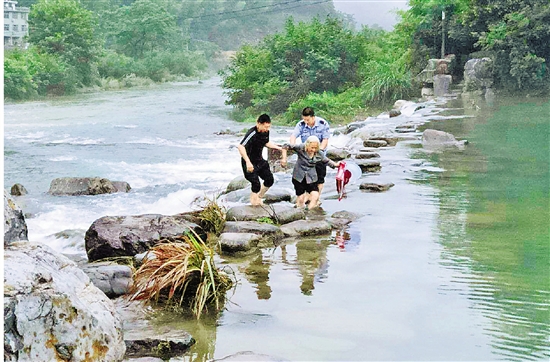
(313, 190)
(265, 174)
(314, 199)
(255, 185)
(300, 193)
(321, 169)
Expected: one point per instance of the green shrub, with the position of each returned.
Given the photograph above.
(115, 65)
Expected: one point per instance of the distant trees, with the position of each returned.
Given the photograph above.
(65, 29)
(76, 43)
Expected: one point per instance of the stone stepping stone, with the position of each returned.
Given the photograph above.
(238, 242)
(374, 187)
(375, 143)
(306, 228)
(363, 155)
(369, 165)
(391, 141)
(279, 214)
(251, 227)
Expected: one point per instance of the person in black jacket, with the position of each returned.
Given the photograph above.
(255, 167)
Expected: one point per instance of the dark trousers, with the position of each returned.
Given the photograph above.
(261, 171)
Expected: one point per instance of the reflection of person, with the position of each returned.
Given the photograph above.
(311, 125)
(312, 263)
(257, 272)
(305, 177)
(253, 164)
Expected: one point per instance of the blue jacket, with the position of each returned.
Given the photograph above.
(321, 129)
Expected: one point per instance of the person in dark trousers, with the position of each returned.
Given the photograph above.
(255, 167)
(304, 175)
(311, 125)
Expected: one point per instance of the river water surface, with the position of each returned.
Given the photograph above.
(452, 263)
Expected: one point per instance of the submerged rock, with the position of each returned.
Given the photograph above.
(76, 186)
(373, 187)
(438, 140)
(161, 348)
(18, 190)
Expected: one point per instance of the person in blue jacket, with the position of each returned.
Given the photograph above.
(312, 125)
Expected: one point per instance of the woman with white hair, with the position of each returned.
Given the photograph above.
(304, 175)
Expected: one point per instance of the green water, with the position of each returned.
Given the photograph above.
(495, 217)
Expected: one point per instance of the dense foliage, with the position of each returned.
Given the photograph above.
(321, 64)
(513, 33)
(338, 71)
(313, 58)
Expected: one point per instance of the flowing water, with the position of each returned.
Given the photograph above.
(452, 263)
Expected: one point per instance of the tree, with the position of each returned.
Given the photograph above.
(142, 27)
(64, 28)
(515, 34)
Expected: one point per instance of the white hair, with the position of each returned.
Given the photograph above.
(312, 139)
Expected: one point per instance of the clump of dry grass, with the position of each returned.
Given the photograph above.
(183, 272)
(213, 215)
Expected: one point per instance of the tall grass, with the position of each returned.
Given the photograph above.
(182, 272)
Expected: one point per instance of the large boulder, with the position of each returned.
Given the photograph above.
(15, 227)
(478, 74)
(112, 236)
(76, 186)
(52, 312)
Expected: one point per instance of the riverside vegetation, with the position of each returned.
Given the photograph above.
(313, 58)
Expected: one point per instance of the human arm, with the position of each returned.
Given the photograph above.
(325, 136)
(244, 155)
(274, 146)
(324, 144)
(330, 162)
(292, 140)
(283, 157)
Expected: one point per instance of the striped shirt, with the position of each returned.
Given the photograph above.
(254, 143)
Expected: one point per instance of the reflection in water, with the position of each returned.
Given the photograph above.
(257, 273)
(494, 225)
(347, 238)
(311, 256)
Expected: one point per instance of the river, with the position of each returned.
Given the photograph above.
(452, 263)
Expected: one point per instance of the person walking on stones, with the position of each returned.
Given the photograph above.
(311, 125)
(304, 176)
(255, 167)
